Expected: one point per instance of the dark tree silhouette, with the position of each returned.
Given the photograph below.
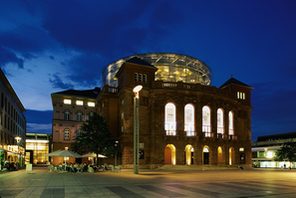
(287, 152)
(94, 137)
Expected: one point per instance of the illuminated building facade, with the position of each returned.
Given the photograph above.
(70, 109)
(183, 120)
(12, 124)
(37, 148)
(265, 148)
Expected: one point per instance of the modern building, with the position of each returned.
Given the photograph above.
(183, 120)
(265, 148)
(12, 124)
(70, 109)
(37, 148)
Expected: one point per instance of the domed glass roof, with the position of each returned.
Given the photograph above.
(171, 68)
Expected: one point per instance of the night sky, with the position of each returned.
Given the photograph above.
(53, 45)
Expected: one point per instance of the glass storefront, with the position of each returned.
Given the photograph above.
(37, 151)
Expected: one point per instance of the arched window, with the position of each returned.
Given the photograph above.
(170, 119)
(230, 126)
(206, 121)
(66, 134)
(66, 115)
(189, 120)
(79, 116)
(220, 122)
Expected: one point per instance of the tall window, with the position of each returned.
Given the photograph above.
(189, 120)
(170, 119)
(230, 126)
(66, 134)
(206, 121)
(220, 121)
(79, 116)
(66, 115)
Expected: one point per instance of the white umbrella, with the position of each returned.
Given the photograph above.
(64, 153)
(93, 155)
(54, 153)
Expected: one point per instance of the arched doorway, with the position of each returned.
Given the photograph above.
(206, 155)
(231, 156)
(170, 154)
(220, 155)
(189, 154)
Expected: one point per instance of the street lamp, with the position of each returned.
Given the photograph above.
(116, 150)
(136, 91)
(18, 139)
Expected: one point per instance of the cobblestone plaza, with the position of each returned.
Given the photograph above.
(158, 183)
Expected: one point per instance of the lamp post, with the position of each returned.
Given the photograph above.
(116, 150)
(136, 91)
(18, 139)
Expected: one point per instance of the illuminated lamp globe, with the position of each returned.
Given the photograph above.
(18, 139)
(137, 88)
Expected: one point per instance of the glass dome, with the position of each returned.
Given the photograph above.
(171, 68)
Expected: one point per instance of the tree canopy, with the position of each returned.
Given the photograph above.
(287, 152)
(94, 137)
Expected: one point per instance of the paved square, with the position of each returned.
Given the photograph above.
(164, 183)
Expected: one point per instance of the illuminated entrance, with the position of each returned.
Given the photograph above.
(231, 156)
(189, 154)
(206, 155)
(220, 155)
(170, 154)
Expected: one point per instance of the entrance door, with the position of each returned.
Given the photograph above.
(206, 155)
(167, 155)
(206, 158)
(170, 154)
(242, 158)
(189, 154)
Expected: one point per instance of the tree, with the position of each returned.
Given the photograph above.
(94, 137)
(287, 152)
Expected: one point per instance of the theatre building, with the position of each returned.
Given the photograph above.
(183, 120)
(12, 125)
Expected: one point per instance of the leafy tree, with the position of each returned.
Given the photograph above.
(287, 152)
(94, 137)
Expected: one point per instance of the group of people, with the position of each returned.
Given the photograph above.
(70, 167)
(10, 166)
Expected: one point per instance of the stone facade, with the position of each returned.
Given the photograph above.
(233, 149)
(12, 124)
(68, 116)
(204, 145)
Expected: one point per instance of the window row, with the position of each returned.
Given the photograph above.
(189, 121)
(79, 103)
(67, 134)
(11, 111)
(78, 116)
(241, 95)
(140, 77)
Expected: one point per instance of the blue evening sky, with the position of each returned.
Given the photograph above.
(53, 45)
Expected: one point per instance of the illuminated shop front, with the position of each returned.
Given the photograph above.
(16, 153)
(12, 153)
(265, 148)
(37, 148)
